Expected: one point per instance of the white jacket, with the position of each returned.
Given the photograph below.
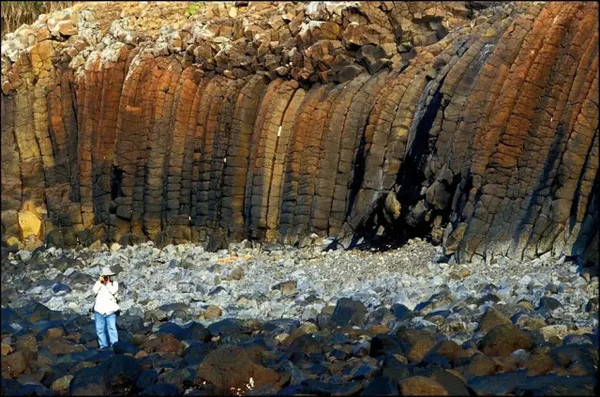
(106, 303)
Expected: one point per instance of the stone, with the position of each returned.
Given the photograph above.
(15, 363)
(29, 223)
(230, 367)
(417, 343)
(88, 381)
(6, 349)
(120, 373)
(161, 389)
(549, 304)
(236, 274)
(504, 339)
(421, 386)
(554, 331)
(212, 312)
(287, 288)
(400, 311)
(381, 386)
(503, 383)
(61, 384)
(349, 312)
(492, 318)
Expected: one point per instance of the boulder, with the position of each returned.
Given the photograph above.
(349, 312)
(230, 367)
(421, 386)
(504, 339)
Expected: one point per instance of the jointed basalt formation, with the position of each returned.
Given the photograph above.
(473, 124)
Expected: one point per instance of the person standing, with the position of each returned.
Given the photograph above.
(105, 308)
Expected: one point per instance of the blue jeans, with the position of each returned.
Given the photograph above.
(106, 323)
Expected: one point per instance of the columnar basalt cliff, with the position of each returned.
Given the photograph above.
(475, 125)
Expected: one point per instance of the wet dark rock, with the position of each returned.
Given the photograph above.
(395, 370)
(120, 372)
(60, 287)
(283, 325)
(173, 329)
(161, 389)
(498, 384)
(592, 305)
(304, 346)
(131, 323)
(574, 339)
(42, 326)
(504, 339)
(88, 381)
(385, 344)
(180, 377)
(156, 315)
(218, 290)
(349, 312)
(195, 352)
(379, 316)
(555, 385)
(489, 297)
(295, 374)
(80, 278)
(181, 316)
(365, 371)
(453, 384)
(578, 360)
(400, 311)
(198, 331)
(324, 320)
(9, 315)
(227, 327)
(122, 347)
(548, 304)
(32, 390)
(36, 312)
(382, 386)
(146, 378)
(313, 386)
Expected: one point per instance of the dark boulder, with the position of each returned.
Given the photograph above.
(504, 339)
(382, 386)
(122, 347)
(349, 312)
(161, 389)
(120, 373)
(88, 382)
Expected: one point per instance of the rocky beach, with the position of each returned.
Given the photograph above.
(260, 319)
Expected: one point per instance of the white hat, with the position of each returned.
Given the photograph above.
(106, 271)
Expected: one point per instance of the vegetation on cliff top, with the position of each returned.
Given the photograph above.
(17, 13)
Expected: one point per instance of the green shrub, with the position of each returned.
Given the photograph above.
(193, 8)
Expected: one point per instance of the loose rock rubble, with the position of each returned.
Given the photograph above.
(298, 321)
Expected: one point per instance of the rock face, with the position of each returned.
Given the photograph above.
(477, 127)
